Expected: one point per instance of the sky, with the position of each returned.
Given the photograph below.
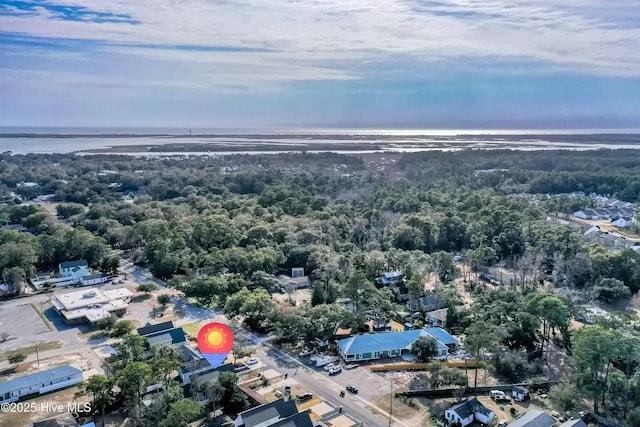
(481, 64)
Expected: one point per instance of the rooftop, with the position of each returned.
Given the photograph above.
(470, 407)
(168, 337)
(301, 419)
(152, 329)
(441, 335)
(534, 418)
(277, 409)
(39, 377)
(89, 297)
(385, 341)
(71, 264)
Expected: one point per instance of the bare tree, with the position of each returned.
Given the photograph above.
(4, 336)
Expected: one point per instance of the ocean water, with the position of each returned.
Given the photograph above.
(407, 140)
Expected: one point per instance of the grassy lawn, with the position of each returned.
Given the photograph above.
(192, 328)
(31, 349)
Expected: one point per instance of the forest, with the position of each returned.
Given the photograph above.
(222, 229)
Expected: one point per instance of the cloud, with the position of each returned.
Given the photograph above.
(183, 49)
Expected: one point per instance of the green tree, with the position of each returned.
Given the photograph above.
(609, 289)
(182, 413)
(100, 387)
(17, 358)
(206, 290)
(146, 287)
(554, 314)
(564, 396)
(592, 351)
(254, 306)
(232, 398)
(121, 328)
(106, 323)
(213, 392)
(67, 210)
(133, 380)
(14, 278)
(424, 348)
(132, 348)
(480, 337)
(164, 300)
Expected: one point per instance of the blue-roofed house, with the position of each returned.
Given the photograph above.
(390, 344)
(443, 337)
(40, 383)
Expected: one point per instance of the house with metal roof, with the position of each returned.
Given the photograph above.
(391, 344)
(268, 414)
(301, 419)
(75, 269)
(573, 423)
(40, 383)
(469, 411)
(149, 329)
(534, 418)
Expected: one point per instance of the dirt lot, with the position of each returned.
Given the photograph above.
(299, 297)
(412, 411)
(47, 406)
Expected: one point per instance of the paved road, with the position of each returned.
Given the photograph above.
(325, 388)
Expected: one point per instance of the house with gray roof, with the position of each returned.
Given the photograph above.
(534, 418)
(40, 383)
(301, 419)
(469, 411)
(268, 414)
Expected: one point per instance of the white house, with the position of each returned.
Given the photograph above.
(468, 411)
(297, 280)
(40, 383)
(93, 279)
(622, 222)
(75, 269)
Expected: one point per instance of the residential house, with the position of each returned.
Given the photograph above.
(268, 414)
(194, 365)
(163, 334)
(586, 214)
(297, 280)
(622, 222)
(391, 278)
(75, 269)
(301, 419)
(78, 273)
(469, 411)
(390, 344)
(573, 423)
(429, 302)
(40, 383)
(534, 418)
(520, 393)
(436, 318)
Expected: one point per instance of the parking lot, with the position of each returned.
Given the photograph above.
(370, 385)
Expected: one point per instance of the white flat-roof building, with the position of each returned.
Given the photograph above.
(40, 383)
(91, 305)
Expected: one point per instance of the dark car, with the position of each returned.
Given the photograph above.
(352, 389)
(303, 397)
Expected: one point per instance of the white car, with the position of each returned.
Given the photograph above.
(329, 366)
(335, 370)
(304, 353)
(252, 361)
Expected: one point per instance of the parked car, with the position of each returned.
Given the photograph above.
(350, 366)
(329, 366)
(304, 353)
(335, 371)
(303, 397)
(352, 389)
(252, 361)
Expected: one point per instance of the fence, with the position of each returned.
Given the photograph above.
(450, 392)
(408, 366)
